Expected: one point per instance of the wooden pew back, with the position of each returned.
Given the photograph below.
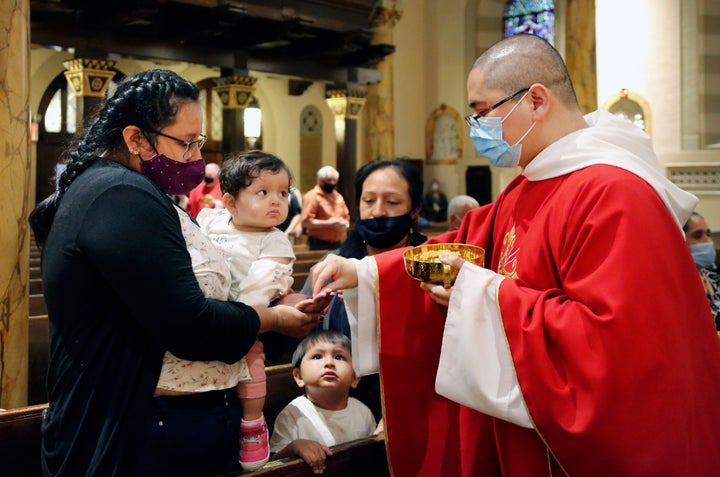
(20, 440)
(359, 458)
(38, 349)
(281, 389)
(20, 435)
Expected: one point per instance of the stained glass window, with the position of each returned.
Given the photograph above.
(530, 16)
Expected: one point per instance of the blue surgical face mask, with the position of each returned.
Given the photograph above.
(703, 254)
(487, 136)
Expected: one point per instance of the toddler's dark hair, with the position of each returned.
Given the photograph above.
(321, 336)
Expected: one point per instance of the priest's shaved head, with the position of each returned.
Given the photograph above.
(523, 83)
(521, 60)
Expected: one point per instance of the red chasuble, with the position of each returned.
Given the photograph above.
(607, 325)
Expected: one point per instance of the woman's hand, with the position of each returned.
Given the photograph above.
(338, 271)
(287, 320)
(439, 293)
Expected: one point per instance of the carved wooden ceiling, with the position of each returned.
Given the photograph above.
(328, 40)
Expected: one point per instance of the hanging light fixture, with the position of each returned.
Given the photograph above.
(253, 122)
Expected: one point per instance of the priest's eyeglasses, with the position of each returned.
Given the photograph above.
(199, 142)
(472, 118)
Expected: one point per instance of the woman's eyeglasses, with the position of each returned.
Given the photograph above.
(199, 142)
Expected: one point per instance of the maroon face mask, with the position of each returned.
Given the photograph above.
(171, 176)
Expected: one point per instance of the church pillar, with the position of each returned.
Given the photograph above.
(14, 197)
(90, 79)
(235, 93)
(379, 127)
(580, 51)
(346, 105)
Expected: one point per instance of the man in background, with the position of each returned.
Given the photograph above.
(457, 207)
(325, 216)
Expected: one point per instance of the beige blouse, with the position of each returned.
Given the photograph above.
(213, 275)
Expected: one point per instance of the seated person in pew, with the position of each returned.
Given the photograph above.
(458, 207)
(326, 415)
(255, 193)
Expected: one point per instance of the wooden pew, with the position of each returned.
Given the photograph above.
(304, 266)
(37, 305)
(20, 437)
(20, 428)
(303, 263)
(35, 285)
(300, 247)
(281, 389)
(310, 255)
(299, 281)
(38, 346)
(359, 458)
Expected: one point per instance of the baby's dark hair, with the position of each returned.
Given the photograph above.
(240, 169)
(321, 336)
(149, 100)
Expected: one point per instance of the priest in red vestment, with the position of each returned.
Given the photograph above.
(586, 346)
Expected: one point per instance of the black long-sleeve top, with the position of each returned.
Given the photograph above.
(120, 291)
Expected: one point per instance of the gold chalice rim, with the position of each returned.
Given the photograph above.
(422, 263)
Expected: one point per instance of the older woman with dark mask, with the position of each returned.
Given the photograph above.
(389, 200)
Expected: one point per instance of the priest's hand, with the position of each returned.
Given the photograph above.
(439, 293)
(333, 273)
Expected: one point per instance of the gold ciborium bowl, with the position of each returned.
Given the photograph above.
(422, 262)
